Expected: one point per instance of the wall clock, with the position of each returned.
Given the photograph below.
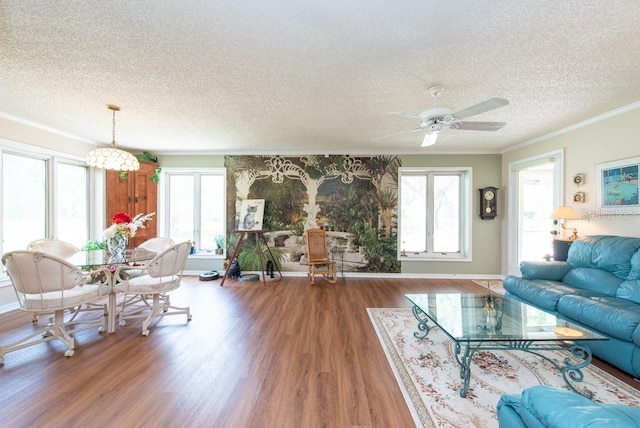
(488, 203)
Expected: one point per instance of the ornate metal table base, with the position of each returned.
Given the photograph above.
(571, 369)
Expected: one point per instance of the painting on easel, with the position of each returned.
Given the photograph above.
(251, 215)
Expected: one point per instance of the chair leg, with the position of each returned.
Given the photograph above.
(330, 278)
(155, 310)
(158, 307)
(55, 328)
(61, 333)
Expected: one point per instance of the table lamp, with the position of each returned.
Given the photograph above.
(566, 213)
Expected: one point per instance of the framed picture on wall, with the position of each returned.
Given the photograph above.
(251, 214)
(617, 189)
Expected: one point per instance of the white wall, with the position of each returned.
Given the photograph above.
(613, 138)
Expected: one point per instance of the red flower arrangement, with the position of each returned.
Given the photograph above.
(123, 224)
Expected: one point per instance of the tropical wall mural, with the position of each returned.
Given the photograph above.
(354, 199)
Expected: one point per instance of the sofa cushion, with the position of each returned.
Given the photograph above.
(593, 279)
(541, 292)
(629, 290)
(609, 315)
(609, 253)
(544, 406)
(635, 266)
(544, 270)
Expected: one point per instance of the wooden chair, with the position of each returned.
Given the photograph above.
(318, 256)
(45, 283)
(159, 276)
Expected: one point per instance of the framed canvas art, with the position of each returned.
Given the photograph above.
(251, 214)
(617, 189)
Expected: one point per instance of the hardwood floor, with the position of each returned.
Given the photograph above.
(281, 355)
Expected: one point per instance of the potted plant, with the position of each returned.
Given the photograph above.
(219, 239)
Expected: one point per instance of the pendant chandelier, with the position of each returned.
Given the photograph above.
(112, 157)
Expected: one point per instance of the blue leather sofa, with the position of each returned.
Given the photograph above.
(548, 407)
(598, 286)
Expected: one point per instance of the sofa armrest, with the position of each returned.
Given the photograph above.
(544, 270)
(509, 412)
(544, 406)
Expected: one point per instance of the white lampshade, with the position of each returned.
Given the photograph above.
(565, 213)
(112, 157)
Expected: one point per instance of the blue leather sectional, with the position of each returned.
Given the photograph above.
(548, 407)
(598, 286)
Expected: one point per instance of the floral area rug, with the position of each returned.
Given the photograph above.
(495, 285)
(429, 375)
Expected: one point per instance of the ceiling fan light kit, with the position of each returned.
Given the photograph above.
(434, 119)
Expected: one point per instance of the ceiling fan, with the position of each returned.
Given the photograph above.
(434, 119)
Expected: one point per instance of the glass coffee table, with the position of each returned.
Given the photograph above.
(487, 322)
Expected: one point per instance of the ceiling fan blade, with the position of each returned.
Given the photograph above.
(481, 126)
(429, 139)
(396, 133)
(487, 105)
(406, 116)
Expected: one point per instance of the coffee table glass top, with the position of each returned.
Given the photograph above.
(475, 317)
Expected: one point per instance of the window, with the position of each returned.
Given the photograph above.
(24, 201)
(193, 205)
(435, 213)
(71, 203)
(44, 194)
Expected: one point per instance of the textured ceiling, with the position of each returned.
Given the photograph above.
(230, 77)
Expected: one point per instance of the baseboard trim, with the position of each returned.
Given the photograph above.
(381, 275)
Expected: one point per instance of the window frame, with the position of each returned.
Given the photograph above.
(51, 159)
(465, 204)
(164, 197)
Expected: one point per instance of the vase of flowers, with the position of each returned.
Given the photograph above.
(117, 245)
(124, 227)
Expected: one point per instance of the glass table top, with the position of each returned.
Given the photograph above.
(103, 257)
(475, 317)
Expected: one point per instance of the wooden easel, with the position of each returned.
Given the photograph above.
(259, 236)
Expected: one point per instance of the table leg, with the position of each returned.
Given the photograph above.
(573, 372)
(465, 365)
(111, 313)
(422, 323)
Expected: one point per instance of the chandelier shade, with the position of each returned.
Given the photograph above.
(112, 157)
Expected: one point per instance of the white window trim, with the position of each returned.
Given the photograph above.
(163, 197)
(466, 203)
(52, 157)
(555, 156)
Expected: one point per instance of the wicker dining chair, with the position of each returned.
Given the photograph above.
(44, 283)
(159, 276)
(157, 245)
(57, 247)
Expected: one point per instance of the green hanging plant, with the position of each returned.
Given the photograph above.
(147, 157)
(156, 177)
